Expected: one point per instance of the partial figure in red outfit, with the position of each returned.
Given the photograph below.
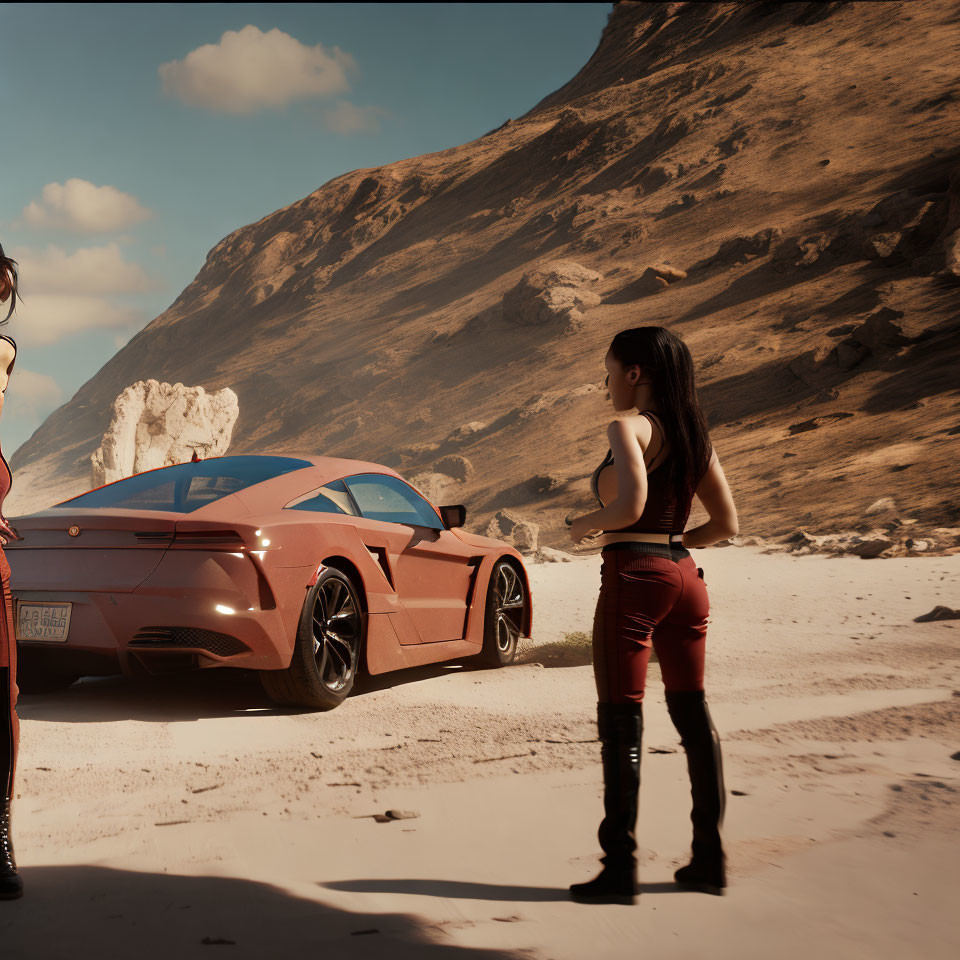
(11, 884)
(653, 594)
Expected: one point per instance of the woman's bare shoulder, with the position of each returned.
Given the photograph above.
(635, 423)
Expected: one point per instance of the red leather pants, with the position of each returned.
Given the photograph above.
(9, 722)
(653, 599)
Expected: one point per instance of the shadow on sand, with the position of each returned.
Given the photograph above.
(463, 890)
(189, 696)
(79, 911)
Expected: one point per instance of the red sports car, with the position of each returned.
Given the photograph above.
(302, 568)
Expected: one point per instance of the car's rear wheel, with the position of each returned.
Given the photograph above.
(326, 655)
(35, 676)
(505, 614)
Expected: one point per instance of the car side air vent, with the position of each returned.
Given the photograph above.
(380, 555)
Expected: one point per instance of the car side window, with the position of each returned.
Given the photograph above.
(330, 498)
(382, 497)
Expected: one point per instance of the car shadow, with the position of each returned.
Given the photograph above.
(195, 695)
(188, 696)
(77, 911)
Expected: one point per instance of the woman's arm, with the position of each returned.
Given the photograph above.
(7, 354)
(714, 493)
(631, 485)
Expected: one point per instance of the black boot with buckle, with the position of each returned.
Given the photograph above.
(706, 871)
(11, 884)
(620, 727)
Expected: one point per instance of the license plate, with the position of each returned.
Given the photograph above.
(43, 621)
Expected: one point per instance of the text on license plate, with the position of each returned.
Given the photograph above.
(43, 621)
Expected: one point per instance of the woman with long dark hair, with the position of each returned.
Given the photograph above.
(11, 885)
(653, 594)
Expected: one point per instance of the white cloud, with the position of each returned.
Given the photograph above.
(347, 117)
(33, 389)
(82, 206)
(45, 318)
(89, 271)
(250, 70)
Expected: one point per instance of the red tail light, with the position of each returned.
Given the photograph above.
(208, 540)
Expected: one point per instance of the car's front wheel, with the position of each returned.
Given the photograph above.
(505, 612)
(326, 655)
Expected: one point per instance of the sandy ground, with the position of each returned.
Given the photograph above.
(164, 819)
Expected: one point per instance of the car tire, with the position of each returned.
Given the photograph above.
(33, 676)
(324, 664)
(503, 615)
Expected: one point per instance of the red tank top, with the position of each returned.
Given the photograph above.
(664, 512)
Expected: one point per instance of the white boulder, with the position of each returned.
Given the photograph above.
(157, 424)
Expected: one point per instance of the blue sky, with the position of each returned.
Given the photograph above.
(135, 136)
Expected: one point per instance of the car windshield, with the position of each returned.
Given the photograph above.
(186, 487)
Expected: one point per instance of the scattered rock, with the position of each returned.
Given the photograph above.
(816, 422)
(655, 278)
(948, 535)
(869, 547)
(555, 293)
(436, 487)
(743, 248)
(749, 540)
(466, 431)
(659, 276)
(455, 466)
(402, 814)
(552, 555)
(155, 424)
(686, 201)
(881, 246)
(939, 613)
(879, 335)
(511, 527)
(883, 505)
(662, 749)
(543, 483)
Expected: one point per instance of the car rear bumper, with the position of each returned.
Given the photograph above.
(199, 608)
(198, 629)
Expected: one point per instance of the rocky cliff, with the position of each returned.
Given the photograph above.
(778, 183)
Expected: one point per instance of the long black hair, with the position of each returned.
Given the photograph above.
(9, 266)
(665, 358)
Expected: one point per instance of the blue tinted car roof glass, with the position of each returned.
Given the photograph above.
(185, 487)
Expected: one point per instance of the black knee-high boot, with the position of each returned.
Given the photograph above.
(620, 727)
(11, 885)
(707, 869)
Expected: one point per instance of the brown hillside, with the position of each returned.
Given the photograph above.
(798, 161)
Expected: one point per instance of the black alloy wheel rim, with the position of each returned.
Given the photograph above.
(508, 593)
(336, 634)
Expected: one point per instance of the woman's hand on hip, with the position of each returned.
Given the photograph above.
(580, 529)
